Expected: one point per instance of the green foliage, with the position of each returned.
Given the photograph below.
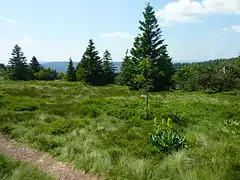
(3, 71)
(214, 76)
(102, 129)
(89, 111)
(59, 127)
(187, 78)
(34, 65)
(71, 72)
(13, 169)
(127, 71)
(165, 138)
(90, 69)
(108, 68)
(6, 128)
(17, 66)
(22, 104)
(2, 67)
(143, 80)
(149, 45)
(45, 143)
(62, 76)
(46, 74)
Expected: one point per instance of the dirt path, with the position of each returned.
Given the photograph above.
(62, 171)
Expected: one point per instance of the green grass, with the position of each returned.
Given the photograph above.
(102, 129)
(15, 170)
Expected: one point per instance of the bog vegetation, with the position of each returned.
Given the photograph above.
(104, 130)
(99, 121)
(16, 170)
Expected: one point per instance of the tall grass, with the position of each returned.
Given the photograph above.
(15, 170)
(102, 129)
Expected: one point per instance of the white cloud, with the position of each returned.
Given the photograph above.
(219, 32)
(117, 35)
(25, 40)
(222, 6)
(236, 28)
(223, 31)
(181, 11)
(8, 20)
(194, 11)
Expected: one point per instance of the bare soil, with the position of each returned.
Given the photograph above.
(59, 170)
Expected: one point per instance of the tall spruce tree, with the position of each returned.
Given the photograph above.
(108, 68)
(34, 65)
(127, 70)
(71, 72)
(90, 69)
(149, 44)
(17, 66)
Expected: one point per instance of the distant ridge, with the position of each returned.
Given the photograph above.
(62, 66)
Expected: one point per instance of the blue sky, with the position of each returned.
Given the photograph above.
(57, 29)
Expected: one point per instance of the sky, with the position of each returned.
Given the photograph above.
(55, 30)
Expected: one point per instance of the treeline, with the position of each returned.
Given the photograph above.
(146, 66)
(92, 69)
(217, 75)
(18, 69)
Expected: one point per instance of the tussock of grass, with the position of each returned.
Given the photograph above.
(15, 170)
(102, 129)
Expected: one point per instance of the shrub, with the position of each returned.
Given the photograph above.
(46, 74)
(59, 127)
(89, 111)
(15, 116)
(6, 166)
(22, 105)
(6, 128)
(165, 138)
(121, 113)
(177, 118)
(45, 143)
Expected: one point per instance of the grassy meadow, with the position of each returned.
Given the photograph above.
(15, 170)
(103, 130)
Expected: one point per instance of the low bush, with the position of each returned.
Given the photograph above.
(89, 111)
(45, 143)
(14, 169)
(165, 138)
(23, 104)
(121, 113)
(6, 166)
(6, 128)
(16, 116)
(59, 127)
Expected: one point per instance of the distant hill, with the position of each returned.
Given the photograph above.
(62, 66)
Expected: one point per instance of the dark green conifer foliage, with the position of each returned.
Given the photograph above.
(17, 66)
(90, 69)
(71, 72)
(2, 66)
(127, 70)
(149, 44)
(108, 68)
(34, 65)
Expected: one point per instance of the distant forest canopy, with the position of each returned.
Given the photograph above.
(61, 67)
